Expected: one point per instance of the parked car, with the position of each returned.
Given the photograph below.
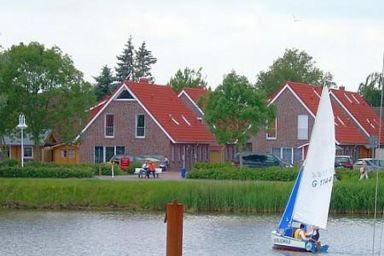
(372, 163)
(343, 161)
(255, 160)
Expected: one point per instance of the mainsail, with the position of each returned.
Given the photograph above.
(313, 197)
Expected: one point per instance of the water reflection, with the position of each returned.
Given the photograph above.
(37, 233)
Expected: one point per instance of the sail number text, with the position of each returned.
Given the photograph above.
(321, 182)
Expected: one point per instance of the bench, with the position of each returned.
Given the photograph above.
(141, 172)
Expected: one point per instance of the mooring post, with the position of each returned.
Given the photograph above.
(174, 219)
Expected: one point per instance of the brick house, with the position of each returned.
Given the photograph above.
(288, 135)
(190, 97)
(144, 119)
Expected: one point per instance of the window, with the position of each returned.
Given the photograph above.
(125, 95)
(28, 152)
(109, 131)
(99, 154)
(70, 153)
(7, 152)
(302, 127)
(104, 154)
(140, 126)
(120, 150)
(109, 153)
(271, 131)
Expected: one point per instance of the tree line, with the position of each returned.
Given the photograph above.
(44, 84)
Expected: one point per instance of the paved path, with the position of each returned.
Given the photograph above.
(170, 175)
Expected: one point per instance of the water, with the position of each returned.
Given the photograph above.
(43, 233)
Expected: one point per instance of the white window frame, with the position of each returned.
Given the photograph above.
(302, 127)
(267, 129)
(105, 126)
(31, 156)
(136, 126)
(94, 153)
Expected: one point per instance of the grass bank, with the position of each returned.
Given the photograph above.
(197, 195)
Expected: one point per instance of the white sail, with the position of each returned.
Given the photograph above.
(314, 193)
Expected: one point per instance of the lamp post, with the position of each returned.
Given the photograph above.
(22, 125)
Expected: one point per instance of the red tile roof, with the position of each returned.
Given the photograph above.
(170, 113)
(359, 109)
(346, 131)
(196, 93)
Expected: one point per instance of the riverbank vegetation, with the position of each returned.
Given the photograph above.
(349, 195)
(12, 168)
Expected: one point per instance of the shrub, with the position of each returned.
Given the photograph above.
(132, 166)
(228, 172)
(9, 162)
(46, 172)
(106, 169)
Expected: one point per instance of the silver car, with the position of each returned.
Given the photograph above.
(372, 163)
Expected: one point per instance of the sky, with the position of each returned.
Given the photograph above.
(345, 38)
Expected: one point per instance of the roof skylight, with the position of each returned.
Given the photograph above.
(185, 120)
(346, 96)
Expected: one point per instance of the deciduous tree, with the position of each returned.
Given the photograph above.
(236, 110)
(43, 84)
(371, 89)
(296, 66)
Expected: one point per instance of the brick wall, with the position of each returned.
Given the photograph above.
(288, 108)
(155, 141)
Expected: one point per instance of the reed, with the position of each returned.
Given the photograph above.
(349, 196)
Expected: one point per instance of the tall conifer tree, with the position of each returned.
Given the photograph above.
(104, 83)
(125, 64)
(143, 61)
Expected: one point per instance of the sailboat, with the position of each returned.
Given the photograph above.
(310, 197)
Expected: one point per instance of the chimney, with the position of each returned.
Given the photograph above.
(342, 88)
(143, 80)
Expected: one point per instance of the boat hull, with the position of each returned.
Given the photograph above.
(289, 243)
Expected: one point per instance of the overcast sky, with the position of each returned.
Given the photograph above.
(344, 37)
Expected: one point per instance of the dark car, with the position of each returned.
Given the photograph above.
(343, 162)
(254, 160)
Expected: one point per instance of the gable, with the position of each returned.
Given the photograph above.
(164, 107)
(309, 96)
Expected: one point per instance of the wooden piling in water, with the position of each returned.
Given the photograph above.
(174, 219)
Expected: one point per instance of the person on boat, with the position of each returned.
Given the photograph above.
(314, 236)
(300, 233)
(364, 171)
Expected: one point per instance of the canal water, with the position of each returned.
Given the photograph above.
(51, 233)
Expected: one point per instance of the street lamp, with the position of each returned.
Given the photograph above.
(22, 125)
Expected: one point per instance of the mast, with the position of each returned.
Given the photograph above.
(378, 143)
